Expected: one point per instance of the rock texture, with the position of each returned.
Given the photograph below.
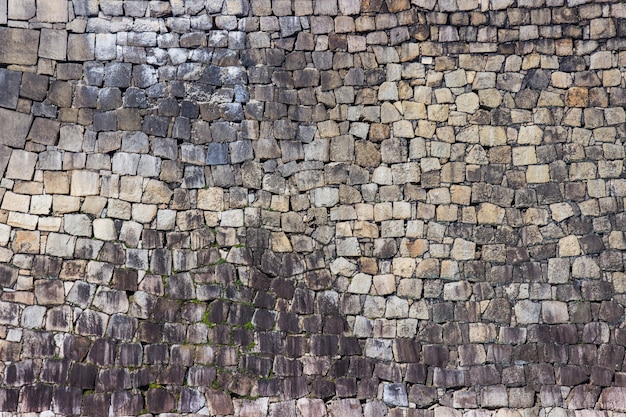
(307, 208)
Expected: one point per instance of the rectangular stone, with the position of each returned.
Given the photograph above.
(53, 44)
(15, 127)
(81, 47)
(52, 11)
(18, 46)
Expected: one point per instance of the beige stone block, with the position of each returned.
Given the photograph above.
(49, 224)
(447, 213)
(118, 209)
(21, 165)
(211, 198)
(280, 242)
(15, 202)
(438, 112)
(403, 267)
(93, 205)
(364, 229)
(460, 194)
(104, 229)
(56, 182)
(569, 246)
(492, 136)
(538, 174)
(360, 284)
(530, 135)
(561, 211)
(467, 103)
(619, 282)
(65, 204)
(84, 183)
(524, 155)
(582, 171)
(489, 213)
(40, 204)
(25, 242)
(144, 213)
(131, 188)
(383, 284)
(52, 11)
(22, 220)
(414, 110)
(156, 192)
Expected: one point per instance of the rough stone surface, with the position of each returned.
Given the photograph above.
(312, 208)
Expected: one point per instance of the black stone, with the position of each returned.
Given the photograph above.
(36, 398)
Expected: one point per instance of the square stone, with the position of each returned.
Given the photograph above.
(21, 9)
(81, 47)
(84, 183)
(52, 11)
(18, 46)
(21, 165)
(34, 86)
(53, 44)
(44, 131)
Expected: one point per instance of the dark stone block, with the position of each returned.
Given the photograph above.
(117, 74)
(36, 398)
(172, 375)
(83, 376)
(20, 373)
(217, 154)
(484, 375)
(324, 345)
(611, 356)
(155, 354)
(165, 310)
(34, 87)
(416, 373)
(597, 290)
(130, 354)
(423, 396)
(86, 96)
(450, 378)
(583, 397)
(269, 387)
(263, 320)
(287, 367)
(9, 399)
(540, 374)
(102, 352)
(271, 342)
(149, 332)
(113, 379)
(155, 125)
(258, 365)
(601, 376)
(570, 375)
(406, 350)
(125, 403)
(287, 322)
(435, 355)
(346, 387)
(160, 400)
(54, 371)
(294, 387)
(572, 63)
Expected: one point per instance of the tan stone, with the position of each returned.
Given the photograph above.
(25, 242)
(489, 213)
(492, 135)
(65, 204)
(156, 192)
(577, 97)
(15, 202)
(524, 155)
(569, 246)
(84, 183)
(384, 284)
(403, 267)
(538, 174)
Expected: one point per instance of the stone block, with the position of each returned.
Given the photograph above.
(15, 128)
(81, 47)
(21, 165)
(18, 46)
(53, 44)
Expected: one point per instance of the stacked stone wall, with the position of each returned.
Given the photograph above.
(312, 207)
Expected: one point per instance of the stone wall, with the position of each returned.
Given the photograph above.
(309, 208)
